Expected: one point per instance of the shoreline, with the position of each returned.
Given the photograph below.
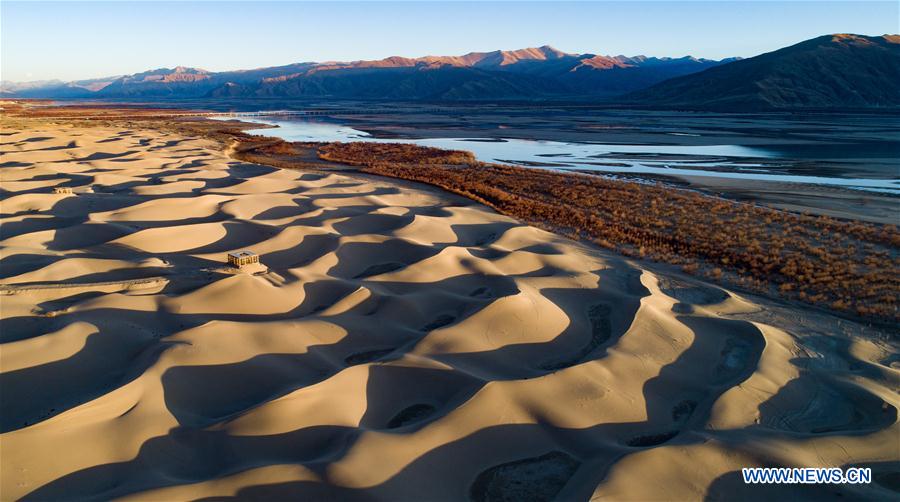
(791, 185)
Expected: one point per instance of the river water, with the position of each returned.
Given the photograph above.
(774, 164)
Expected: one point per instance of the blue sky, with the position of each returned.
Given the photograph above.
(72, 40)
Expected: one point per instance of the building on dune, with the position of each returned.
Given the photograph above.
(242, 258)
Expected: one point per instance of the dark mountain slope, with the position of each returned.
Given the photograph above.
(833, 71)
(416, 83)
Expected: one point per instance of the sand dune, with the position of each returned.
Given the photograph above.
(404, 344)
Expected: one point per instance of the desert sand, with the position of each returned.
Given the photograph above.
(400, 343)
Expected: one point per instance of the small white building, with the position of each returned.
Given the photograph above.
(241, 258)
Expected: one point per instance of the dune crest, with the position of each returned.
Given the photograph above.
(403, 344)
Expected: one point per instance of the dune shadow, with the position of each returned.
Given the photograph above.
(480, 234)
(108, 360)
(373, 224)
(819, 403)
(187, 454)
(593, 324)
(311, 248)
(101, 156)
(387, 256)
(194, 394)
(406, 398)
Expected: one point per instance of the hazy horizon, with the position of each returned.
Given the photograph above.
(82, 40)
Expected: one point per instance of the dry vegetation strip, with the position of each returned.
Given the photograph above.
(852, 267)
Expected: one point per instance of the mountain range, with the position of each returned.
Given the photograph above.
(542, 72)
(833, 71)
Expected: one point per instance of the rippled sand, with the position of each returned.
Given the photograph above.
(403, 344)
